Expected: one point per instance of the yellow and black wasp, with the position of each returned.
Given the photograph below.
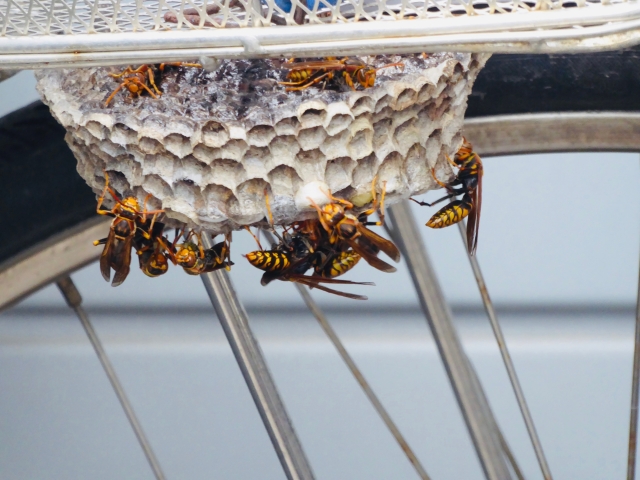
(354, 72)
(290, 259)
(153, 252)
(127, 215)
(469, 180)
(305, 248)
(143, 79)
(345, 228)
(195, 259)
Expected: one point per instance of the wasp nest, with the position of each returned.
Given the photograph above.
(207, 149)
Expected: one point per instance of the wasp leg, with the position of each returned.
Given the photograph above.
(148, 89)
(313, 82)
(398, 64)
(451, 162)
(349, 80)
(374, 205)
(320, 216)
(179, 64)
(104, 192)
(113, 94)
(152, 81)
(305, 80)
(294, 84)
(427, 204)
(127, 71)
(347, 204)
(200, 248)
(162, 242)
(227, 239)
(266, 200)
(254, 237)
(107, 188)
(442, 184)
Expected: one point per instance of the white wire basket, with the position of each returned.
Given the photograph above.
(62, 33)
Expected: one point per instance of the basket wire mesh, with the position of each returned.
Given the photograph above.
(54, 33)
(56, 17)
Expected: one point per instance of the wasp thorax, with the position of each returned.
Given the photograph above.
(348, 230)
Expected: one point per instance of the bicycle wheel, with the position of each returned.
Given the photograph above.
(485, 109)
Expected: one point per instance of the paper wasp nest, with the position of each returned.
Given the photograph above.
(210, 145)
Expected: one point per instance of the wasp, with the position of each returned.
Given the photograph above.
(354, 71)
(469, 184)
(116, 254)
(330, 260)
(142, 78)
(153, 252)
(290, 262)
(343, 226)
(195, 259)
(295, 254)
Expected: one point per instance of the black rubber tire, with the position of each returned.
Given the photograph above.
(41, 193)
(511, 84)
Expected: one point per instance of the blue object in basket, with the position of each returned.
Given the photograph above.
(285, 5)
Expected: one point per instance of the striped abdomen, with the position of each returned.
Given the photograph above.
(268, 261)
(300, 75)
(451, 213)
(338, 265)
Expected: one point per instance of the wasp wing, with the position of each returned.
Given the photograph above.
(474, 218)
(387, 246)
(122, 260)
(335, 281)
(314, 284)
(371, 258)
(105, 265)
(315, 65)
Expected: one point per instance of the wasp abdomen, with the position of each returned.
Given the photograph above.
(450, 214)
(299, 75)
(268, 261)
(339, 265)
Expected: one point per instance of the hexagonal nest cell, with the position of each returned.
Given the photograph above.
(213, 142)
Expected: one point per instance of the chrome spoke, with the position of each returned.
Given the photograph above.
(633, 411)
(386, 418)
(482, 426)
(506, 358)
(235, 324)
(74, 300)
(355, 371)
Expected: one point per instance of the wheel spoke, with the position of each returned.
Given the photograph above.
(483, 428)
(366, 388)
(235, 324)
(506, 357)
(74, 300)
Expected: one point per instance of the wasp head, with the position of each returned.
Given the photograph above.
(464, 153)
(368, 77)
(333, 213)
(187, 255)
(129, 207)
